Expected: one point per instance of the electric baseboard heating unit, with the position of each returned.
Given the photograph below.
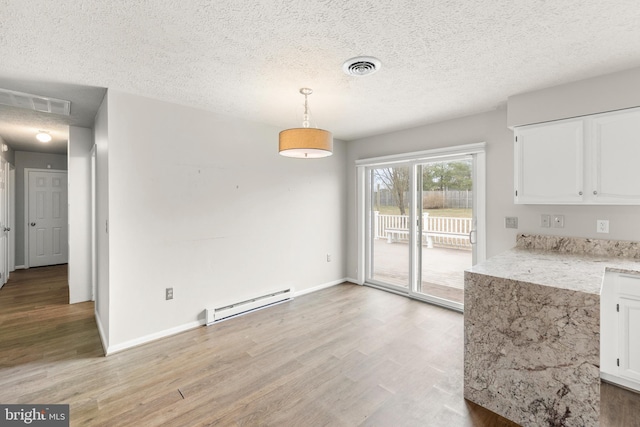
(221, 313)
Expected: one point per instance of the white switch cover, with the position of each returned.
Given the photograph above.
(558, 221)
(602, 226)
(545, 220)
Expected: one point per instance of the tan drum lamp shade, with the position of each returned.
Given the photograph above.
(306, 142)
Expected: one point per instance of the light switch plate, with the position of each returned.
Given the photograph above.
(558, 221)
(545, 220)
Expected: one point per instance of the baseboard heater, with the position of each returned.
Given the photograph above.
(222, 313)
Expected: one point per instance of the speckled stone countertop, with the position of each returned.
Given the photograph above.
(569, 265)
(576, 272)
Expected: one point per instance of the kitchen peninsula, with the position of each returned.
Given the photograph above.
(532, 328)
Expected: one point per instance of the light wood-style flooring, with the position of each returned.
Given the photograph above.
(344, 356)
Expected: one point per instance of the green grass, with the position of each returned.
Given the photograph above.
(453, 213)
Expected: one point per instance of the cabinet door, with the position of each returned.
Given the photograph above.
(616, 157)
(629, 339)
(549, 163)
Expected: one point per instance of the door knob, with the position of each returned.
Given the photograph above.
(33, 224)
(7, 229)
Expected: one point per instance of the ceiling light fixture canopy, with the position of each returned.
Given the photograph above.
(43, 136)
(306, 142)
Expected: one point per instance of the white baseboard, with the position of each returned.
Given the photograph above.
(20, 267)
(103, 338)
(354, 281)
(152, 337)
(319, 288)
(613, 379)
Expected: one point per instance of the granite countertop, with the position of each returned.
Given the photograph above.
(572, 271)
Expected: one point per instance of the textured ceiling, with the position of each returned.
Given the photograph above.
(440, 59)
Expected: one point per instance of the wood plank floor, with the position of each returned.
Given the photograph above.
(344, 356)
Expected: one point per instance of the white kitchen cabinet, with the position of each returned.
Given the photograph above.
(549, 165)
(586, 160)
(620, 329)
(616, 157)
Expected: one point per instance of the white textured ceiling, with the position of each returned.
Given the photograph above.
(440, 59)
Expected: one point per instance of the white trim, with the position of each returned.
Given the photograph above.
(425, 155)
(319, 287)
(103, 338)
(628, 384)
(26, 208)
(152, 337)
(361, 212)
(12, 217)
(21, 267)
(480, 206)
(354, 281)
(94, 224)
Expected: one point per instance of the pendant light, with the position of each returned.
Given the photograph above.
(306, 142)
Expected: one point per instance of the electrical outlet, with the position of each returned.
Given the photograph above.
(328, 257)
(602, 226)
(169, 293)
(558, 221)
(545, 220)
(510, 222)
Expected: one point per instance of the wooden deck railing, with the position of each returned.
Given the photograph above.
(447, 231)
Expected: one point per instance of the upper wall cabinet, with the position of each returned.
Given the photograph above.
(587, 160)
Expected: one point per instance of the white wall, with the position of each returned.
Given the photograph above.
(101, 139)
(79, 196)
(204, 204)
(25, 159)
(590, 96)
(491, 127)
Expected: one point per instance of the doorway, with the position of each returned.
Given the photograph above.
(422, 222)
(46, 221)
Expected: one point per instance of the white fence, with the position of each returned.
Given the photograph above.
(442, 231)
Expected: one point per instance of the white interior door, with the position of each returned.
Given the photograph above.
(47, 218)
(3, 223)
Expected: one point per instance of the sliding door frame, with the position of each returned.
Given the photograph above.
(363, 203)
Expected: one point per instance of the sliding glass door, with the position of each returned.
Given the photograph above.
(420, 223)
(388, 215)
(445, 209)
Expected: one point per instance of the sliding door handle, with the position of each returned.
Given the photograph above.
(472, 235)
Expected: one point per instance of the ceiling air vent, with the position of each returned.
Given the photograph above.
(34, 102)
(361, 66)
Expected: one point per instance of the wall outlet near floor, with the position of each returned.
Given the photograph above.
(558, 221)
(545, 220)
(602, 226)
(169, 293)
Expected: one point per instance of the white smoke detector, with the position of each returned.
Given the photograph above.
(361, 66)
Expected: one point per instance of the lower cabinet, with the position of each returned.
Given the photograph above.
(620, 329)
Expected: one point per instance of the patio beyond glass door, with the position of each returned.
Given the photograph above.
(389, 254)
(445, 207)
